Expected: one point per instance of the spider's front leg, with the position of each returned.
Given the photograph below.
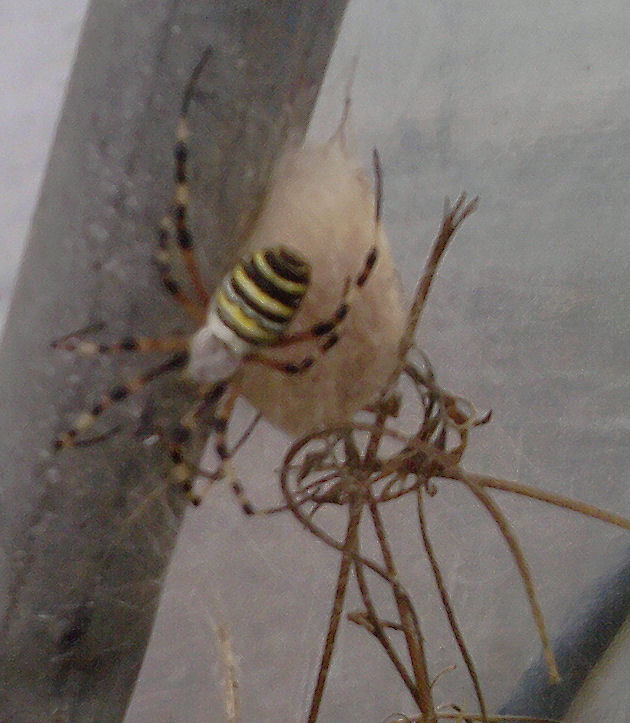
(174, 225)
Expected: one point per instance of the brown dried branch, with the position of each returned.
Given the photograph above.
(408, 620)
(452, 218)
(350, 544)
(330, 467)
(230, 676)
(460, 475)
(376, 626)
(523, 568)
(448, 609)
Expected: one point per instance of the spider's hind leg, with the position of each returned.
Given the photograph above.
(221, 422)
(184, 472)
(226, 401)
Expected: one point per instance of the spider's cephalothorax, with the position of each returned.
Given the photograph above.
(277, 313)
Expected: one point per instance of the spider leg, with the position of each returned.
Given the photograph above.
(327, 326)
(368, 266)
(117, 394)
(324, 328)
(291, 368)
(170, 284)
(175, 224)
(225, 455)
(144, 344)
(183, 472)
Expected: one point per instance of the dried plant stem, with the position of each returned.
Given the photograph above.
(526, 577)
(409, 623)
(461, 717)
(306, 520)
(451, 220)
(339, 474)
(230, 678)
(421, 688)
(375, 626)
(350, 544)
(458, 474)
(377, 431)
(448, 608)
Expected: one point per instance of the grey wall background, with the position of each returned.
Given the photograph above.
(38, 45)
(528, 106)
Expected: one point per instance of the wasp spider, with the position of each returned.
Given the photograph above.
(263, 334)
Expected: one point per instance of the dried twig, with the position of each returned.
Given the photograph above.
(230, 676)
(448, 609)
(345, 467)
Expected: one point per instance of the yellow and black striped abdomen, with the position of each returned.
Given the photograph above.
(262, 294)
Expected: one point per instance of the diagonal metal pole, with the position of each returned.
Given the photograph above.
(86, 535)
(591, 626)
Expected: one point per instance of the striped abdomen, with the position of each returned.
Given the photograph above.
(262, 294)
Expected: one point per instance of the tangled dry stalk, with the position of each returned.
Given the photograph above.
(363, 465)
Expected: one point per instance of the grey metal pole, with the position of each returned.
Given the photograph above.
(86, 535)
(592, 624)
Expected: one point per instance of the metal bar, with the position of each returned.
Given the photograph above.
(87, 534)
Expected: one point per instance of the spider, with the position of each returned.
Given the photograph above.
(251, 313)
